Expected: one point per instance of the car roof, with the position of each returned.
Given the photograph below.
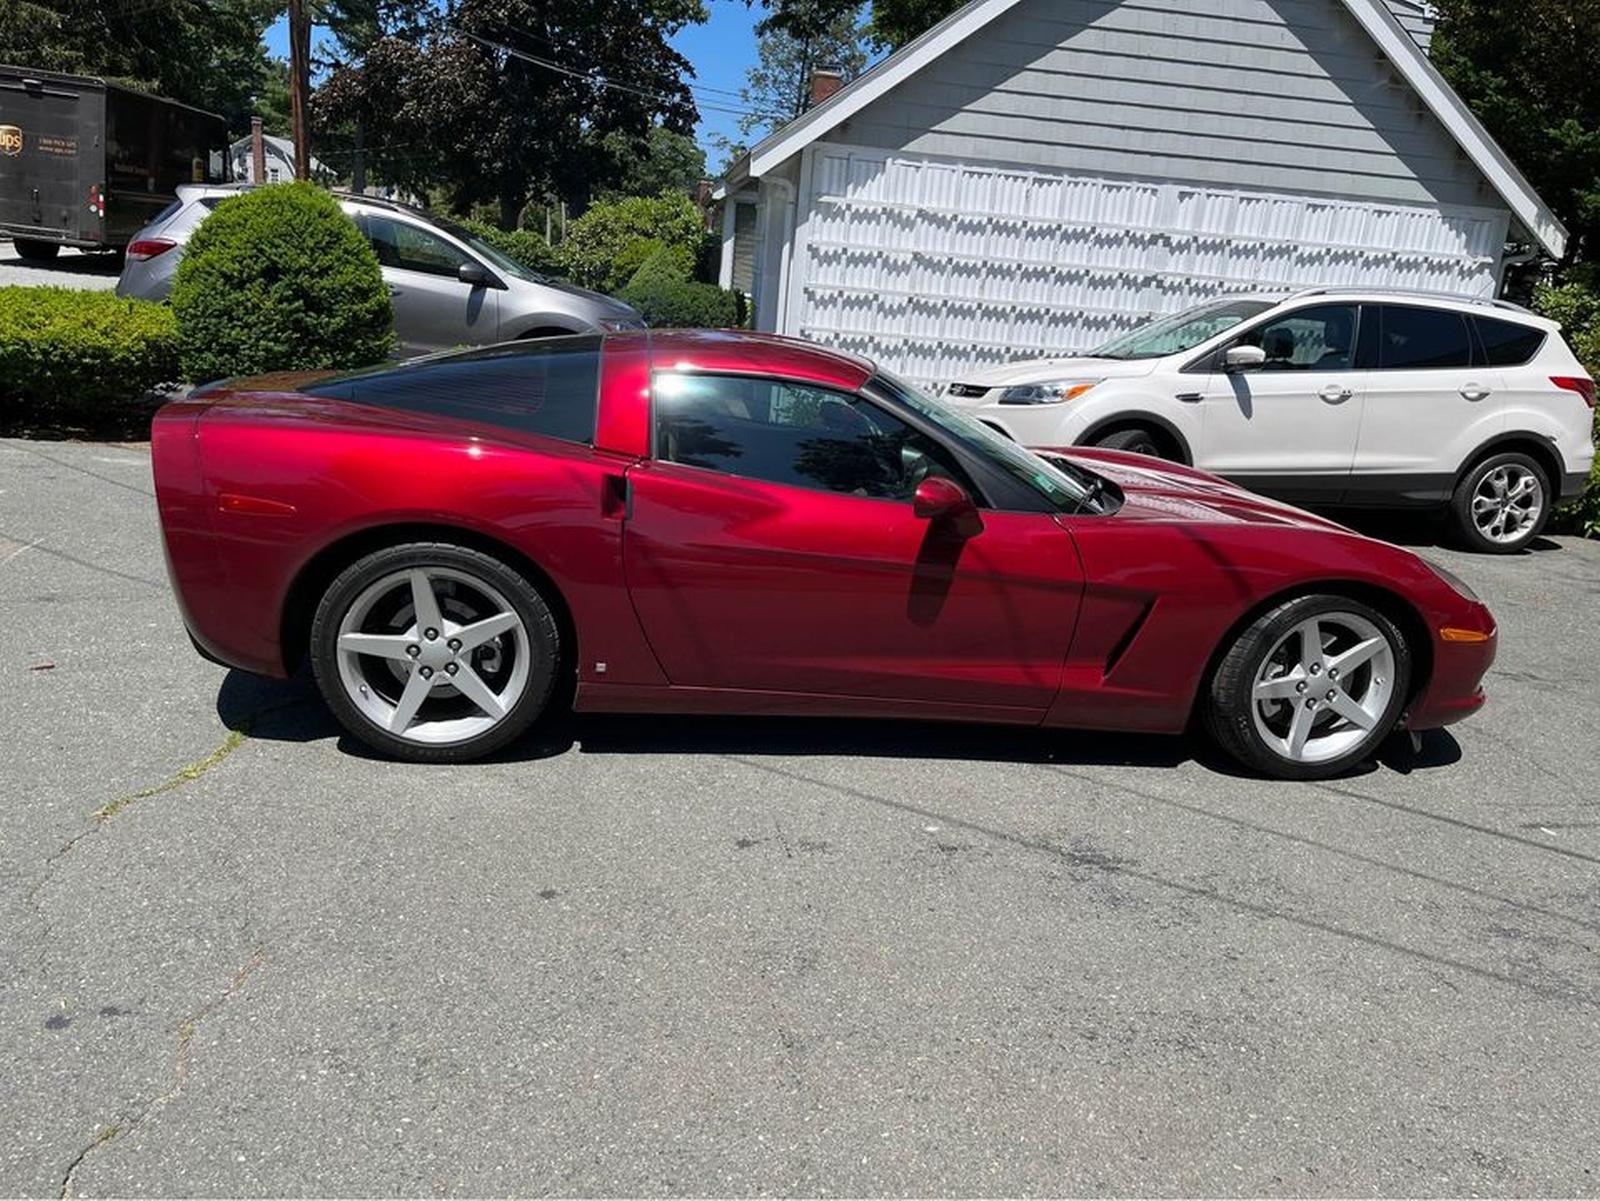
(734, 351)
(1378, 295)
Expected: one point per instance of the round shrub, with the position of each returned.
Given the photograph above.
(668, 299)
(69, 353)
(604, 247)
(279, 279)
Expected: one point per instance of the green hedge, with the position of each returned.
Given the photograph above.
(279, 279)
(668, 299)
(1575, 302)
(522, 245)
(610, 242)
(67, 351)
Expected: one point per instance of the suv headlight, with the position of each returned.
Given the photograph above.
(1055, 392)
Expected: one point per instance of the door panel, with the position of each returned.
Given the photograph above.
(1291, 427)
(741, 583)
(433, 309)
(1427, 403)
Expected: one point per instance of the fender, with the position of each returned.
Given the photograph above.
(1139, 417)
(1549, 453)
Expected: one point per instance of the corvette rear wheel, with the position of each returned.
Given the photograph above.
(1310, 689)
(434, 652)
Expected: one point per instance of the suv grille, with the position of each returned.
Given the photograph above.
(967, 391)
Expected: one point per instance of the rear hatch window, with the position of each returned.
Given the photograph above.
(549, 387)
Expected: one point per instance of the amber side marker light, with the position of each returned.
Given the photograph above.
(1454, 634)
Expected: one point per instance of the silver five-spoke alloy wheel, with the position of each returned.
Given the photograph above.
(1507, 503)
(1324, 687)
(433, 655)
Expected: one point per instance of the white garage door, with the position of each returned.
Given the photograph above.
(931, 266)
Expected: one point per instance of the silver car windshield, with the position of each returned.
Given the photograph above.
(496, 258)
(1181, 331)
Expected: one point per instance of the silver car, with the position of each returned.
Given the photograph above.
(448, 287)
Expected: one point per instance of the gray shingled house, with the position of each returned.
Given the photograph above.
(1031, 176)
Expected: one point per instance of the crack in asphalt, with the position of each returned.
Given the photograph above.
(90, 472)
(237, 736)
(1201, 893)
(178, 1078)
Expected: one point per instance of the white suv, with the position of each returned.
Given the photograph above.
(1330, 397)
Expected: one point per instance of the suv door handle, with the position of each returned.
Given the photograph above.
(1474, 391)
(1335, 394)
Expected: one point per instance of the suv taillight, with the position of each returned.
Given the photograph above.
(1582, 385)
(147, 248)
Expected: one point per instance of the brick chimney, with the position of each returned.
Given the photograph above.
(825, 81)
(258, 153)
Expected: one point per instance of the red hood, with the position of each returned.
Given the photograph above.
(1155, 490)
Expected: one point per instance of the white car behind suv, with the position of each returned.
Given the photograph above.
(1330, 397)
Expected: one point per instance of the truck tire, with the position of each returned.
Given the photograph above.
(36, 252)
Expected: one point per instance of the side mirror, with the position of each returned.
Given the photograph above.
(473, 274)
(940, 499)
(1243, 358)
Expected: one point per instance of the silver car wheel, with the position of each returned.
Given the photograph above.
(1323, 688)
(1507, 503)
(433, 655)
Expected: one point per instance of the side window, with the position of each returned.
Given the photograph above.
(1321, 338)
(411, 248)
(1506, 343)
(786, 433)
(1415, 339)
(550, 386)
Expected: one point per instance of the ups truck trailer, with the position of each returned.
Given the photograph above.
(88, 163)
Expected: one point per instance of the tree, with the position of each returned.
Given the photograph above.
(1523, 70)
(207, 54)
(503, 100)
(778, 87)
(664, 160)
(891, 24)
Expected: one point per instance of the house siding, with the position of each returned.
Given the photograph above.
(1416, 19)
(1279, 95)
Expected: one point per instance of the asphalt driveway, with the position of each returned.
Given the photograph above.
(706, 957)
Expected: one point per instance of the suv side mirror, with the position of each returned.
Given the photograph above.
(1243, 358)
(474, 274)
(941, 499)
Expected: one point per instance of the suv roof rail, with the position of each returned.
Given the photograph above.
(379, 202)
(1354, 289)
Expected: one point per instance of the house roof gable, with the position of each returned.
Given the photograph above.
(1380, 24)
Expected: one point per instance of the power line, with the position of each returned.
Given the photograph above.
(551, 42)
(606, 83)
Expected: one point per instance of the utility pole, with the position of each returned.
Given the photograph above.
(300, 85)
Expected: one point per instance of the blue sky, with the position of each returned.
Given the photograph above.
(721, 51)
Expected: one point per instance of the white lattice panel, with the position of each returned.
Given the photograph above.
(931, 266)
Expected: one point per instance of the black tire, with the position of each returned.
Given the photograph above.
(1229, 703)
(31, 251)
(1135, 439)
(538, 621)
(1464, 525)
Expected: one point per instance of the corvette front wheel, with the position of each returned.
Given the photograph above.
(1310, 689)
(433, 652)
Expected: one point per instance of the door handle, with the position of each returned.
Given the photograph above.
(1474, 391)
(1334, 394)
(616, 498)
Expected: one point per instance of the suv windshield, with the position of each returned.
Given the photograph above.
(497, 258)
(1181, 331)
(1062, 484)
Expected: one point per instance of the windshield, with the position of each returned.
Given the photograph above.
(497, 258)
(1181, 331)
(1064, 486)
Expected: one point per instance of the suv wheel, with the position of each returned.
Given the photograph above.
(1135, 439)
(1501, 504)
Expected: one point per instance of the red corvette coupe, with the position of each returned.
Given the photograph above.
(735, 523)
